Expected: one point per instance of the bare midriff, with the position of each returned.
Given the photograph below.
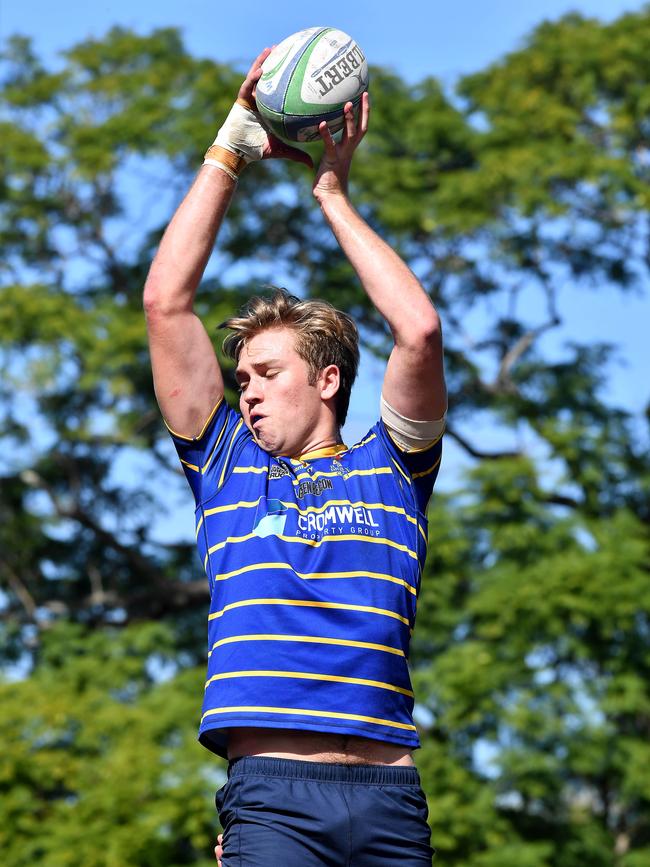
(315, 747)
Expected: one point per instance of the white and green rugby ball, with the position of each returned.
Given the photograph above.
(307, 79)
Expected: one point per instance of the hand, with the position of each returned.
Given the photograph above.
(218, 849)
(332, 175)
(272, 147)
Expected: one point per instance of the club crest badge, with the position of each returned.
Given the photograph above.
(270, 518)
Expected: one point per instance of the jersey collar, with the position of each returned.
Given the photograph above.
(327, 452)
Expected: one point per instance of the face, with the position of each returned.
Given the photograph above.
(286, 415)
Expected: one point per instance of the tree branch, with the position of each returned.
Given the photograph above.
(74, 512)
(478, 453)
(158, 595)
(562, 500)
(503, 383)
(25, 597)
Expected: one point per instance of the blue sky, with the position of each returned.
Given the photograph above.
(423, 37)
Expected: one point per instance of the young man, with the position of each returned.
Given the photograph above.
(313, 550)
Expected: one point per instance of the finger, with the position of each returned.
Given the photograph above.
(247, 90)
(298, 156)
(350, 120)
(256, 66)
(364, 115)
(328, 141)
(279, 148)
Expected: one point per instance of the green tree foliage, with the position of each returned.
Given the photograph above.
(103, 768)
(526, 185)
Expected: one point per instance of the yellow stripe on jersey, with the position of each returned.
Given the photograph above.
(376, 471)
(361, 574)
(231, 444)
(311, 576)
(308, 603)
(198, 526)
(231, 540)
(363, 442)
(243, 470)
(216, 446)
(315, 510)
(242, 504)
(427, 472)
(309, 639)
(307, 675)
(203, 429)
(299, 711)
(316, 543)
(374, 540)
(203, 469)
(401, 471)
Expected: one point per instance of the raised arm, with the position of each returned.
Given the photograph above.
(187, 378)
(414, 382)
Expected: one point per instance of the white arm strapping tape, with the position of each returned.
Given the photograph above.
(242, 133)
(408, 434)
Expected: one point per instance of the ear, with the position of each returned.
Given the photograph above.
(329, 380)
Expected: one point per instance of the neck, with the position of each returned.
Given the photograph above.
(317, 444)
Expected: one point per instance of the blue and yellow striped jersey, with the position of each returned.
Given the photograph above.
(314, 568)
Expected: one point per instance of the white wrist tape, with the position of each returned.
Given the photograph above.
(225, 160)
(240, 140)
(408, 434)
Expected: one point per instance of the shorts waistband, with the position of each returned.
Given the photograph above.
(328, 772)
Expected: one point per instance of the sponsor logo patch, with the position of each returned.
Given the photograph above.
(315, 488)
(337, 521)
(278, 471)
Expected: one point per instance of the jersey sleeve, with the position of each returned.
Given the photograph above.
(420, 466)
(207, 458)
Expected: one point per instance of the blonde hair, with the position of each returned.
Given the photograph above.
(324, 335)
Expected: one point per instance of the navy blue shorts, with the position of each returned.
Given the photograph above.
(286, 813)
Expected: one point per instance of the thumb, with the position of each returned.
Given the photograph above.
(286, 151)
(299, 156)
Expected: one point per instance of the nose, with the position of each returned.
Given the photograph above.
(252, 395)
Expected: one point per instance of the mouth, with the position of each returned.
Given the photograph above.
(255, 419)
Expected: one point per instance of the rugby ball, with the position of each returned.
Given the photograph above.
(307, 79)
